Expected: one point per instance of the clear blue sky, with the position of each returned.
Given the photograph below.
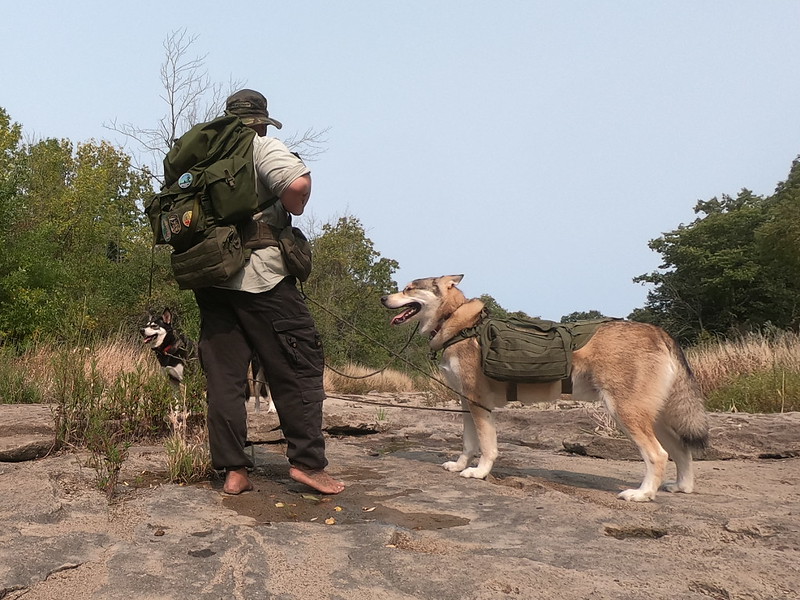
(534, 146)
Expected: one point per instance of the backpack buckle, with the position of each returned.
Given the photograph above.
(229, 179)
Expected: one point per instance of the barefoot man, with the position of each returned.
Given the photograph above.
(259, 309)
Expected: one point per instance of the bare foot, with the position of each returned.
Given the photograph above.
(319, 480)
(236, 482)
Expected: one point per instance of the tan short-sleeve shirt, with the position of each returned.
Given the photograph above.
(276, 169)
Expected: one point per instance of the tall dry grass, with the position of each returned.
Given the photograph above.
(107, 395)
(756, 372)
(109, 360)
(716, 364)
(358, 379)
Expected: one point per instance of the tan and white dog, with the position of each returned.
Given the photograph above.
(637, 370)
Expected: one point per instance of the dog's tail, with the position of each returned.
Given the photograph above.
(684, 410)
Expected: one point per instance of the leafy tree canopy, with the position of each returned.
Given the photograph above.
(73, 234)
(582, 315)
(731, 269)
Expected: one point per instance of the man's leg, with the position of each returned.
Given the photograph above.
(225, 355)
(280, 327)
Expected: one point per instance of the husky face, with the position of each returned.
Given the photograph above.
(156, 330)
(423, 301)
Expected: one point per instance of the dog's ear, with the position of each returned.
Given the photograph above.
(452, 280)
(167, 316)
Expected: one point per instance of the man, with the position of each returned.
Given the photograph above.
(260, 310)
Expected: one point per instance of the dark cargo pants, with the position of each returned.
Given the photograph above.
(278, 326)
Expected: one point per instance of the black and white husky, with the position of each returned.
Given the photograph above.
(172, 349)
(175, 351)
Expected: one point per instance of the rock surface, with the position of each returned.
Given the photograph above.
(545, 524)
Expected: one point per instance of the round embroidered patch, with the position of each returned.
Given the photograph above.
(187, 218)
(185, 180)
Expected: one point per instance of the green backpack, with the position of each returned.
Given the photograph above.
(529, 350)
(209, 189)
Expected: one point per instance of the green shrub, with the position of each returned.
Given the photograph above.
(772, 391)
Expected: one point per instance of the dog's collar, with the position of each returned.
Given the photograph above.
(439, 326)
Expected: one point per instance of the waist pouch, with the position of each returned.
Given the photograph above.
(212, 260)
(295, 247)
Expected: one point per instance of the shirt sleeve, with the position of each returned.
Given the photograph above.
(276, 166)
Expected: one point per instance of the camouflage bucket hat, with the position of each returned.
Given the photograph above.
(251, 107)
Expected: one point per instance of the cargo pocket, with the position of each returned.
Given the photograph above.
(302, 346)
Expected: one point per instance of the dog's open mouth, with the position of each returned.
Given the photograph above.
(409, 310)
(149, 338)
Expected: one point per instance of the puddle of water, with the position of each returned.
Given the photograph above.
(277, 502)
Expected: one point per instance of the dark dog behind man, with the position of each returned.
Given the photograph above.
(172, 349)
(175, 351)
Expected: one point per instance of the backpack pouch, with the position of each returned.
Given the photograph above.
(212, 260)
(296, 252)
(175, 217)
(231, 186)
(530, 351)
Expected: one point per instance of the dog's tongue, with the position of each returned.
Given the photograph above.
(401, 318)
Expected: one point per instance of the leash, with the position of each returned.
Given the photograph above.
(390, 405)
(391, 353)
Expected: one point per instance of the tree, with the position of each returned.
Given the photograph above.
(716, 275)
(67, 208)
(344, 290)
(191, 97)
(779, 237)
(10, 135)
(189, 94)
(498, 312)
(582, 316)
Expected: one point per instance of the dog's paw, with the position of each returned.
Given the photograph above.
(474, 473)
(454, 465)
(636, 495)
(674, 486)
(271, 408)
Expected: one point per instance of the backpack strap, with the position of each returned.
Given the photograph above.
(257, 234)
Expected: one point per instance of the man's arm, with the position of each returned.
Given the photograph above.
(296, 196)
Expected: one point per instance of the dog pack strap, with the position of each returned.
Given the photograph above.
(462, 335)
(468, 332)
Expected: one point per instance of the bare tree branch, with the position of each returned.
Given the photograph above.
(310, 144)
(192, 98)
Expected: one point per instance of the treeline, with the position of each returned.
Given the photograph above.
(733, 270)
(77, 261)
